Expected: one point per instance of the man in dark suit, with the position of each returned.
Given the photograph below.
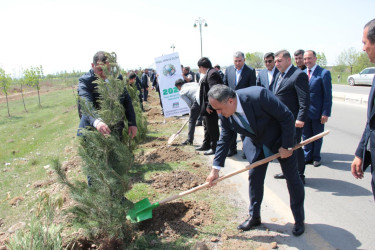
(298, 59)
(320, 82)
(87, 92)
(365, 153)
(267, 76)
(210, 118)
(238, 76)
(144, 82)
(292, 88)
(269, 128)
(217, 68)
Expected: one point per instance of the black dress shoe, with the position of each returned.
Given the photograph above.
(298, 228)
(187, 142)
(231, 153)
(249, 223)
(279, 176)
(309, 162)
(243, 156)
(317, 163)
(209, 152)
(202, 148)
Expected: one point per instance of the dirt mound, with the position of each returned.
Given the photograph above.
(175, 180)
(160, 141)
(173, 219)
(164, 154)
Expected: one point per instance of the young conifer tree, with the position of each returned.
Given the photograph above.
(101, 207)
(140, 117)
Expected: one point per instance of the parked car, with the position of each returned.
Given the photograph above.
(364, 77)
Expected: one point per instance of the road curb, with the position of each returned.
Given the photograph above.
(350, 98)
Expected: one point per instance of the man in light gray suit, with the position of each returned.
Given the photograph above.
(267, 76)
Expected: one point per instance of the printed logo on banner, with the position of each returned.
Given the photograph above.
(169, 70)
(176, 105)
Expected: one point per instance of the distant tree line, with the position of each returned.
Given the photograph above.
(349, 60)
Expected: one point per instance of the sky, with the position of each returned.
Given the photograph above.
(64, 35)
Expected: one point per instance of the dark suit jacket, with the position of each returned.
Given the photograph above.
(320, 93)
(211, 78)
(294, 92)
(247, 77)
(271, 120)
(87, 91)
(262, 78)
(144, 81)
(368, 157)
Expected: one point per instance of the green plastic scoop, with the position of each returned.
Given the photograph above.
(142, 210)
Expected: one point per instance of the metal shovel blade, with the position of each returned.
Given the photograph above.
(141, 211)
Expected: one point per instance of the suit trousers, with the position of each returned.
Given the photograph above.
(294, 184)
(300, 155)
(194, 114)
(312, 127)
(233, 143)
(211, 130)
(145, 93)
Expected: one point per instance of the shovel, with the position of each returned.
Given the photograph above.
(143, 209)
(174, 136)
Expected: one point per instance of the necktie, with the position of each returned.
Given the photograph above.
(277, 85)
(309, 73)
(245, 124)
(267, 152)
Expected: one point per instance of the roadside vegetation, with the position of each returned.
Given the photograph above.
(32, 201)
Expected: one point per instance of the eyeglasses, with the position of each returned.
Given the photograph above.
(268, 61)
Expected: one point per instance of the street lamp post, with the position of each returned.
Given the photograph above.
(173, 47)
(200, 21)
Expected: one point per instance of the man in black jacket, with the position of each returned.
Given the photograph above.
(87, 91)
(210, 118)
(365, 153)
(144, 81)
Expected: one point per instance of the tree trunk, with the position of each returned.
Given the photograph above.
(23, 100)
(38, 96)
(6, 97)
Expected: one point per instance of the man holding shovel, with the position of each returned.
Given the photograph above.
(269, 128)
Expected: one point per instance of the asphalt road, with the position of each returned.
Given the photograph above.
(339, 209)
(363, 89)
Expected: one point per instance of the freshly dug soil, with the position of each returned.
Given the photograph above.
(173, 219)
(165, 154)
(175, 180)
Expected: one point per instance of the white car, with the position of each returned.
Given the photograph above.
(364, 77)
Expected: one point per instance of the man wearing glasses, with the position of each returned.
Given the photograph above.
(267, 76)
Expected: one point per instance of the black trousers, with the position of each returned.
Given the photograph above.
(211, 130)
(300, 155)
(294, 184)
(194, 114)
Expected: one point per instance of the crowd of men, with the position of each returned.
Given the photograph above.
(271, 110)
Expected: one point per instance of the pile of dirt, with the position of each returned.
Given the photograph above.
(175, 180)
(164, 154)
(171, 220)
(155, 142)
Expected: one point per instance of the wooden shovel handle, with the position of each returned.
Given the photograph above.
(182, 127)
(174, 136)
(253, 165)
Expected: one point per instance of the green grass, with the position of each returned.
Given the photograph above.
(343, 78)
(29, 141)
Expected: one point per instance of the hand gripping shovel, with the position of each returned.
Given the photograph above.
(174, 136)
(143, 209)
